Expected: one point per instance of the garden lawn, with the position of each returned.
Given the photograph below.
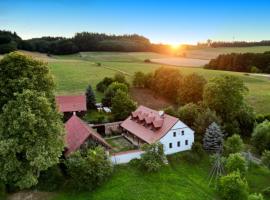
(177, 181)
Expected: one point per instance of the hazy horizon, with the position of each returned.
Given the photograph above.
(170, 22)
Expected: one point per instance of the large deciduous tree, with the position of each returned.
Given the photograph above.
(225, 95)
(89, 169)
(191, 90)
(111, 91)
(19, 72)
(31, 138)
(122, 105)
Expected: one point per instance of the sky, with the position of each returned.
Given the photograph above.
(171, 21)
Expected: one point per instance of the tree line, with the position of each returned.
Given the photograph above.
(84, 41)
(216, 44)
(242, 62)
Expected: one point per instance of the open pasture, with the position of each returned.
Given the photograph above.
(73, 73)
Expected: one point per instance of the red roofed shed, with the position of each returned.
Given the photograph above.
(71, 103)
(78, 132)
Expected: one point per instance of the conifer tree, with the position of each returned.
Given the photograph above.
(90, 98)
(213, 138)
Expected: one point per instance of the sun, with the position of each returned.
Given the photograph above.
(175, 46)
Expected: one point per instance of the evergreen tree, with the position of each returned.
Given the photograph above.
(213, 138)
(90, 98)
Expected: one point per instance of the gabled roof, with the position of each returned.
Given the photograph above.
(148, 125)
(71, 103)
(77, 132)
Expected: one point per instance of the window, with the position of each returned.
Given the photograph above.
(178, 143)
(170, 145)
(186, 142)
(183, 132)
(174, 134)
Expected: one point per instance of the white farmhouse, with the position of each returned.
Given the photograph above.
(150, 126)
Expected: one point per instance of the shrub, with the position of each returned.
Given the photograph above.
(51, 179)
(191, 157)
(261, 137)
(2, 191)
(262, 117)
(234, 144)
(147, 60)
(120, 78)
(89, 169)
(138, 79)
(266, 192)
(197, 149)
(236, 162)
(254, 69)
(204, 119)
(266, 158)
(255, 197)
(153, 158)
(233, 187)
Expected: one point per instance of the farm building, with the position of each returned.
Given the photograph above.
(70, 104)
(149, 126)
(79, 134)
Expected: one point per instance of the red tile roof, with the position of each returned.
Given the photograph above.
(71, 103)
(159, 125)
(77, 132)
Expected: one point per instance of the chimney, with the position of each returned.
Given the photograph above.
(161, 113)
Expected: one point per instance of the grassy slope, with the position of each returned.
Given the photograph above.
(177, 181)
(73, 75)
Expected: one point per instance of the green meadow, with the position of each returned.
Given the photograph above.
(74, 72)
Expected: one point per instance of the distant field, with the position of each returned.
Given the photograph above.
(209, 53)
(191, 62)
(73, 73)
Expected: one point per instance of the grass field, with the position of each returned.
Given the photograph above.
(72, 76)
(74, 72)
(178, 180)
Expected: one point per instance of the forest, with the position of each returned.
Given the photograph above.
(84, 41)
(242, 62)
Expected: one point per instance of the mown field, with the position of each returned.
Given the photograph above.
(73, 73)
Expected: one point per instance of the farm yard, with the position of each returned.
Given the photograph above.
(74, 72)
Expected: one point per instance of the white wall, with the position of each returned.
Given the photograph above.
(169, 138)
(125, 157)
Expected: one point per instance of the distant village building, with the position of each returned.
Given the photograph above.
(149, 126)
(79, 135)
(70, 104)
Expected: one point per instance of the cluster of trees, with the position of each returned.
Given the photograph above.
(239, 44)
(31, 136)
(219, 100)
(8, 41)
(174, 86)
(116, 96)
(246, 62)
(84, 41)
